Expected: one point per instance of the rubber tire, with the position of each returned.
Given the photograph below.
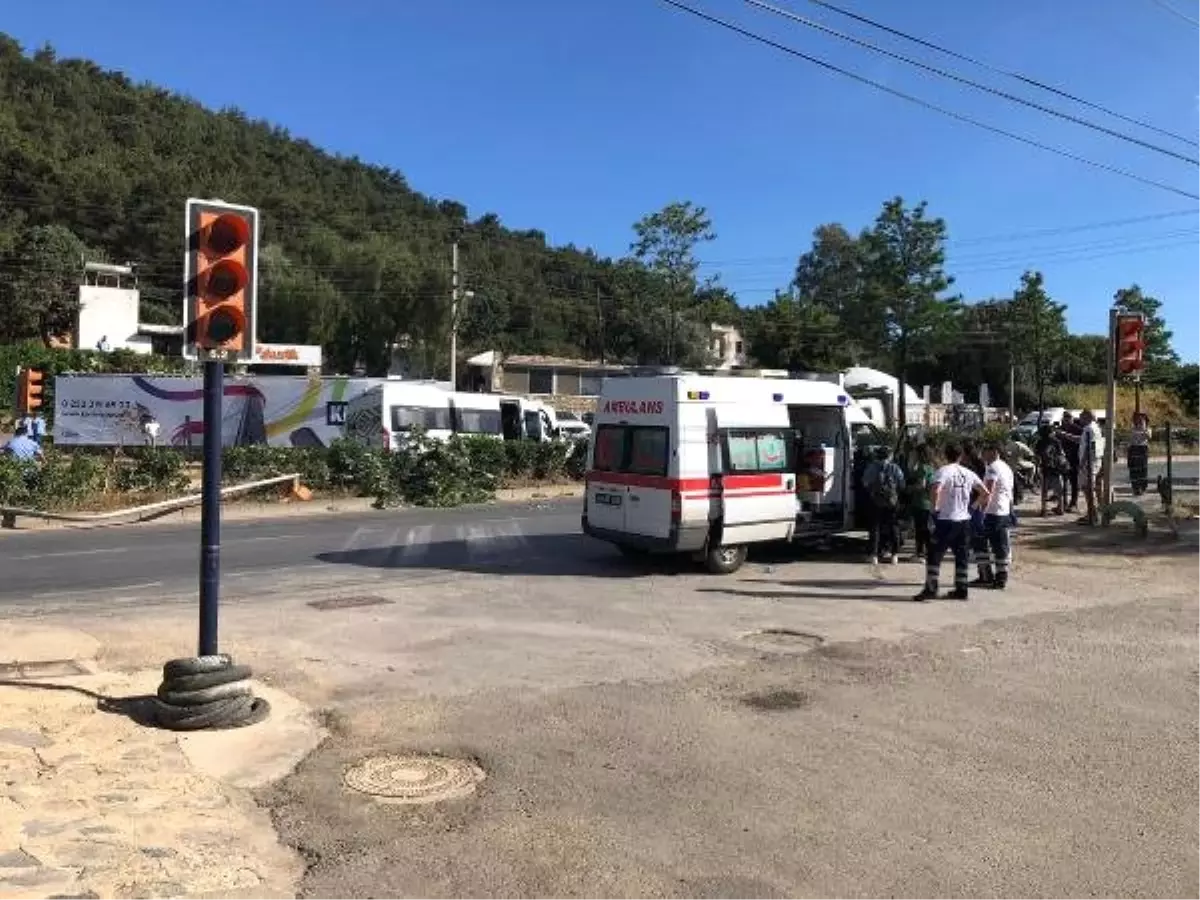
(724, 560)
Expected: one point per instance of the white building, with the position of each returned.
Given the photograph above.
(728, 348)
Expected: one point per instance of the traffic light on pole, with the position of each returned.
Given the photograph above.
(220, 280)
(30, 390)
(1131, 344)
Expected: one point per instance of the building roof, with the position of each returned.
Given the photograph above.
(491, 357)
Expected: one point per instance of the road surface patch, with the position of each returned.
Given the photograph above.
(351, 602)
(778, 700)
(784, 640)
(414, 778)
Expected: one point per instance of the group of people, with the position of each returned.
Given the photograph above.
(964, 507)
(1071, 457)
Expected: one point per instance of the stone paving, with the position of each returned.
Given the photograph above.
(93, 804)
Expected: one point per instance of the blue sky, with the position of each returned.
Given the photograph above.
(576, 117)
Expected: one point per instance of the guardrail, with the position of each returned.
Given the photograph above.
(9, 514)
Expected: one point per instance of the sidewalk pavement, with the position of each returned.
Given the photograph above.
(94, 804)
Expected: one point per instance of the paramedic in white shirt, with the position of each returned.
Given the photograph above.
(954, 489)
(1091, 458)
(994, 553)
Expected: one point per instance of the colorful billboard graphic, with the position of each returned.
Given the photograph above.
(284, 411)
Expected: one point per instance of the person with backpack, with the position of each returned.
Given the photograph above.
(920, 503)
(1053, 461)
(884, 482)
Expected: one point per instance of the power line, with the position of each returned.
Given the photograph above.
(1171, 9)
(960, 79)
(862, 79)
(1025, 79)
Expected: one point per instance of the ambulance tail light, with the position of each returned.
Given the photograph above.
(676, 507)
(387, 441)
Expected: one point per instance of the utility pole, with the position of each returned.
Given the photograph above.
(600, 322)
(1012, 390)
(454, 297)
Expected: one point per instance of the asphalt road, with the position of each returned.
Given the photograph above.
(144, 563)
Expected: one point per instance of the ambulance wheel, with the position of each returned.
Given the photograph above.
(724, 560)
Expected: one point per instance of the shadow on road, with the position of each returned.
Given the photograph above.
(559, 555)
(541, 554)
(901, 594)
(138, 708)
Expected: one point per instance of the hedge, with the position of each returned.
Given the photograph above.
(424, 473)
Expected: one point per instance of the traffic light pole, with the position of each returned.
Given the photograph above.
(1110, 411)
(210, 507)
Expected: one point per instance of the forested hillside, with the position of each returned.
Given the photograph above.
(353, 256)
(354, 259)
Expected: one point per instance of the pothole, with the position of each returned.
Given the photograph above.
(414, 778)
(784, 640)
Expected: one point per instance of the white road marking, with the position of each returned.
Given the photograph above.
(265, 537)
(65, 553)
(353, 539)
(413, 546)
(49, 595)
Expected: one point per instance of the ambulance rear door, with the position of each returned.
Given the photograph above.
(757, 484)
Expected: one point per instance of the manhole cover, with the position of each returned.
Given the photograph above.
(348, 602)
(784, 640)
(414, 779)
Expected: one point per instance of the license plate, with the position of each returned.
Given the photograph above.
(608, 499)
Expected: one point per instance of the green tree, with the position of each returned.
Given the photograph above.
(1036, 332)
(904, 269)
(41, 292)
(830, 277)
(791, 332)
(665, 242)
(1161, 358)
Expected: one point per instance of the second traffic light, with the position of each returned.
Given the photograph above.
(220, 280)
(31, 386)
(1130, 344)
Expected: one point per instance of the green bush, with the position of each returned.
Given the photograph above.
(259, 461)
(159, 470)
(356, 467)
(16, 482)
(518, 459)
(425, 472)
(64, 480)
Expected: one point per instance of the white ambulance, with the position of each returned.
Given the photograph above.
(707, 465)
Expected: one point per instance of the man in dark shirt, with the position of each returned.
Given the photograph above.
(1069, 435)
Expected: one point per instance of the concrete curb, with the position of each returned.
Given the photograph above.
(286, 509)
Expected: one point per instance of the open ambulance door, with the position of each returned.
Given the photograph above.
(756, 487)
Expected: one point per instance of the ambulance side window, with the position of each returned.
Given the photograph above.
(757, 450)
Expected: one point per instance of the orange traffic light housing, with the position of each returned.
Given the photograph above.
(31, 387)
(1130, 345)
(220, 280)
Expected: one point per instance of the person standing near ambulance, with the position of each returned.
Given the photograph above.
(995, 554)
(954, 489)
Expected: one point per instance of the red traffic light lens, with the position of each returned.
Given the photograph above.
(224, 325)
(227, 233)
(225, 279)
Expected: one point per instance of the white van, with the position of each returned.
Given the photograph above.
(384, 415)
(709, 464)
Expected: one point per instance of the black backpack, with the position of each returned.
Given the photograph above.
(885, 491)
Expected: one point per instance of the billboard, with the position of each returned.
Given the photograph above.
(280, 410)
